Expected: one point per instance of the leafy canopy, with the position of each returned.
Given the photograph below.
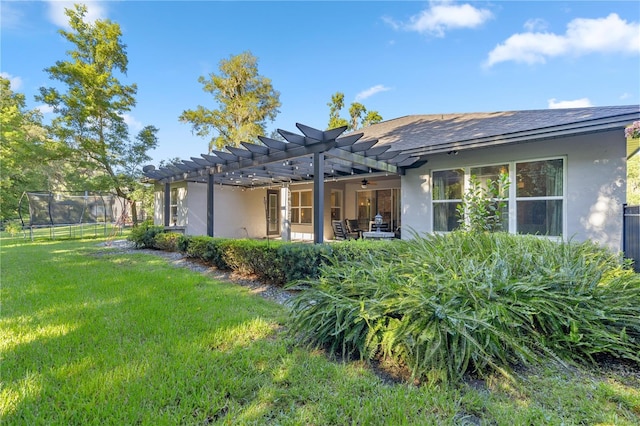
(29, 158)
(359, 117)
(91, 105)
(246, 100)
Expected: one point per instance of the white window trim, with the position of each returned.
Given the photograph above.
(300, 207)
(512, 200)
(340, 195)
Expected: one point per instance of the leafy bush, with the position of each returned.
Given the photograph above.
(275, 262)
(144, 235)
(13, 227)
(168, 241)
(483, 206)
(208, 250)
(474, 302)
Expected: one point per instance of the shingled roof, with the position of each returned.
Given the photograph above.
(436, 133)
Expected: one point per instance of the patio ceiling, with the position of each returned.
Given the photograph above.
(288, 161)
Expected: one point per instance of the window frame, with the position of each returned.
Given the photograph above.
(173, 205)
(300, 207)
(512, 198)
(339, 195)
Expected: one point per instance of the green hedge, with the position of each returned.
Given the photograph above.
(275, 262)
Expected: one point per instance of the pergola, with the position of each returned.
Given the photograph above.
(315, 155)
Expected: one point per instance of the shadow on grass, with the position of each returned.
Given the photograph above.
(125, 339)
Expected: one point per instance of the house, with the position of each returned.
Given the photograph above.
(567, 169)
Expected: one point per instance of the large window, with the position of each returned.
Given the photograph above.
(301, 207)
(539, 197)
(533, 205)
(448, 187)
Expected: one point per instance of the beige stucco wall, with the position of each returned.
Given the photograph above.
(595, 183)
(237, 213)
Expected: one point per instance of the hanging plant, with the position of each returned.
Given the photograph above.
(633, 131)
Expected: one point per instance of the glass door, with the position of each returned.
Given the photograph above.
(273, 212)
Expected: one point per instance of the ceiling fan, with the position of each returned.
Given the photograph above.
(366, 183)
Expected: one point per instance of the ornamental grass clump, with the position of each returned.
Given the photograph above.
(474, 302)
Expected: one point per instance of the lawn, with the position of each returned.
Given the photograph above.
(94, 336)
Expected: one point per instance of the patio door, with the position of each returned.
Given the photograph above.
(273, 212)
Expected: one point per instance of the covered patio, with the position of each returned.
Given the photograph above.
(314, 156)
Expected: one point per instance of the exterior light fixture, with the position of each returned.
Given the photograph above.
(378, 221)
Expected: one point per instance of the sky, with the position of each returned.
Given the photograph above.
(397, 58)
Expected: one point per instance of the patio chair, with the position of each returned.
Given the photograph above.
(340, 233)
(353, 227)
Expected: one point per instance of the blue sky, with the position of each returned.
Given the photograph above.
(398, 58)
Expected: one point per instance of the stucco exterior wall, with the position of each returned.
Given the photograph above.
(595, 183)
(237, 213)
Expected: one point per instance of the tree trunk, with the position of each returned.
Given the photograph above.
(134, 213)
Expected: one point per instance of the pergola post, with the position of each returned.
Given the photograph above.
(167, 204)
(210, 186)
(318, 198)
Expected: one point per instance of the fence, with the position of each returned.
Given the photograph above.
(631, 234)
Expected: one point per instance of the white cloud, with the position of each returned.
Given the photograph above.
(95, 11)
(134, 124)
(45, 109)
(577, 103)
(10, 16)
(625, 96)
(442, 16)
(14, 82)
(370, 92)
(536, 24)
(583, 36)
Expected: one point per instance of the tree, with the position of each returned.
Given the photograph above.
(358, 115)
(246, 99)
(25, 151)
(90, 114)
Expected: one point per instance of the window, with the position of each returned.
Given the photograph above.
(483, 175)
(539, 197)
(386, 202)
(336, 204)
(536, 191)
(174, 206)
(301, 207)
(448, 186)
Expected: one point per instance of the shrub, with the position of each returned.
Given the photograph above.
(13, 227)
(275, 262)
(474, 302)
(143, 235)
(207, 249)
(167, 241)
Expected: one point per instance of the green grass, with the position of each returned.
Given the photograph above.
(90, 336)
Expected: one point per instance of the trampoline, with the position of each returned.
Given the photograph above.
(83, 213)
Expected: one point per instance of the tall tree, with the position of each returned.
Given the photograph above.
(90, 114)
(335, 106)
(246, 99)
(358, 115)
(26, 154)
